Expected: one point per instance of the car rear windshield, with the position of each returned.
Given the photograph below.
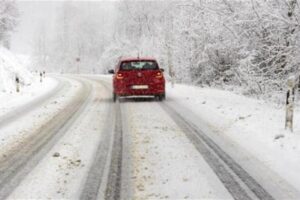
(136, 65)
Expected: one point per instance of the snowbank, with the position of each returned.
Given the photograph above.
(256, 125)
(10, 67)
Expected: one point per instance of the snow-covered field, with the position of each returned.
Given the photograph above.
(12, 100)
(255, 125)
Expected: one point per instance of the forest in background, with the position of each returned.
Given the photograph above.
(9, 17)
(246, 45)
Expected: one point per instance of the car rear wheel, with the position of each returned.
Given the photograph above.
(161, 97)
(115, 97)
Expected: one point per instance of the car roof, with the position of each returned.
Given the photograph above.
(137, 59)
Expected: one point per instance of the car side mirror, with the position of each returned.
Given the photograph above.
(162, 70)
(111, 71)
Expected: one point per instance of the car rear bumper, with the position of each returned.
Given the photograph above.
(141, 93)
(128, 91)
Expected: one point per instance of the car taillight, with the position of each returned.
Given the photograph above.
(158, 75)
(120, 76)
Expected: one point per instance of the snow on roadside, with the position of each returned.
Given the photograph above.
(10, 101)
(17, 132)
(10, 67)
(256, 125)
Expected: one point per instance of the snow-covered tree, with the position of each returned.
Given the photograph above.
(8, 20)
(250, 44)
(223, 43)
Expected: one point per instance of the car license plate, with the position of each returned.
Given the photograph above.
(139, 87)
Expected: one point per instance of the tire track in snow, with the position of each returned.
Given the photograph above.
(17, 166)
(237, 181)
(104, 177)
(95, 178)
(113, 189)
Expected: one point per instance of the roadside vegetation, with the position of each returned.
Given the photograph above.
(248, 46)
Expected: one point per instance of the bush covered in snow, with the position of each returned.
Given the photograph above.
(10, 67)
(251, 44)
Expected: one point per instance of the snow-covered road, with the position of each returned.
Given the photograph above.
(78, 144)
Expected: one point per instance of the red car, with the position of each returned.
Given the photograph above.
(138, 77)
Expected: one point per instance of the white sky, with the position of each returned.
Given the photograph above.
(32, 14)
(35, 13)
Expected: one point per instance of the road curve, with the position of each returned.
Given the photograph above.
(119, 144)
